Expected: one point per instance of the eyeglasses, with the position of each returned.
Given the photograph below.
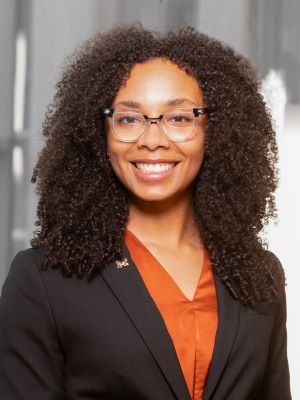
(178, 125)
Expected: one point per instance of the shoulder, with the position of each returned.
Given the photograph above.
(23, 293)
(24, 278)
(274, 262)
(277, 274)
(26, 263)
(30, 257)
(276, 281)
(28, 277)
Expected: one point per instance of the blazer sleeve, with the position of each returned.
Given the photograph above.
(276, 383)
(31, 361)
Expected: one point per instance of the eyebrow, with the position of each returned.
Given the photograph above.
(173, 102)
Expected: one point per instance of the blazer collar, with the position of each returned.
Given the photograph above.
(128, 286)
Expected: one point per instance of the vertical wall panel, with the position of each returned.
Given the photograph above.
(7, 50)
(227, 21)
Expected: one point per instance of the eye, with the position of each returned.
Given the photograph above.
(125, 119)
(179, 118)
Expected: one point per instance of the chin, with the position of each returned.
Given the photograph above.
(150, 197)
(155, 197)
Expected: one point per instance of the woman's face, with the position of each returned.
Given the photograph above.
(153, 88)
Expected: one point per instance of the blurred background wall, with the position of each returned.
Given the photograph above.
(37, 35)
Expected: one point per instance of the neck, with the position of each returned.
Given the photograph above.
(170, 222)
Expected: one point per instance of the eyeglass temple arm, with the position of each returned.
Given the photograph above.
(202, 110)
(108, 111)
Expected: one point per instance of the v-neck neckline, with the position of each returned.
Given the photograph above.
(166, 273)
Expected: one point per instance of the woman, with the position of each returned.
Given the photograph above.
(155, 182)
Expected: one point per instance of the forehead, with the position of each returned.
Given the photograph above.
(158, 81)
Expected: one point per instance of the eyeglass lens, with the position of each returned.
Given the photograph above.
(130, 125)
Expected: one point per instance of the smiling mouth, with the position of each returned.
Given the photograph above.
(155, 168)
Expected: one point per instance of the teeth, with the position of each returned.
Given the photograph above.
(155, 167)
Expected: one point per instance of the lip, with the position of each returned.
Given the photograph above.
(155, 176)
(154, 161)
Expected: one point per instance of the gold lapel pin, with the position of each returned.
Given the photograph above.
(122, 263)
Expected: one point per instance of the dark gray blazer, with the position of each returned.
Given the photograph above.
(69, 338)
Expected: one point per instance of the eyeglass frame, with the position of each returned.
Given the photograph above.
(197, 111)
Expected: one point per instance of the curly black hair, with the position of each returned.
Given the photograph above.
(83, 207)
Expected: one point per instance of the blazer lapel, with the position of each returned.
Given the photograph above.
(228, 321)
(128, 286)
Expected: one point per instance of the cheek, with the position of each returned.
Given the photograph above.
(194, 155)
(195, 165)
(117, 152)
(114, 147)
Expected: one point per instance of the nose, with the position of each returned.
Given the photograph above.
(153, 136)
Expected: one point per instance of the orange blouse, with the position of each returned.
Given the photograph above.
(192, 324)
